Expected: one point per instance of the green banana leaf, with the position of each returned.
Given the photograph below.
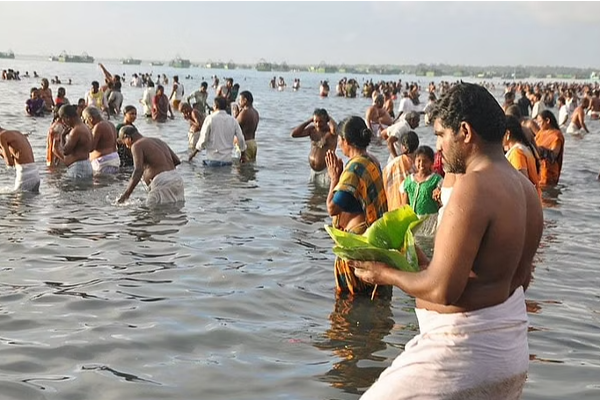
(346, 239)
(393, 258)
(388, 232)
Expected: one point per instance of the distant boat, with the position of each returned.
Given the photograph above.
(230, 65)
(53, 58)
(215, 65)
(179, 62)
(131, 61)
(156, 63)
(83, 58)
(263, 65)
(8, 54)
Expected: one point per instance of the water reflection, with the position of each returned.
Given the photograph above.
(358, 326)
(316, 206)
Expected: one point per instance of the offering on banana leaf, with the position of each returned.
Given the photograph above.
(389, 240)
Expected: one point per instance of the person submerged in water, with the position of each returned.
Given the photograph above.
(322, 131)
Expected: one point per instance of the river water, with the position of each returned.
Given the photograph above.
(232, 295)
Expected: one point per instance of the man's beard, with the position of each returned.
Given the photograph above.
(455, 164)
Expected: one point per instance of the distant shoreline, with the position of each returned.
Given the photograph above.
(421, 70)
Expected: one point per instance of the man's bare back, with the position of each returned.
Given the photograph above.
(104, 139)
(248, 120)
(15, 147)
(155, 156)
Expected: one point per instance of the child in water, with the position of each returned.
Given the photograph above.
(34, 106)
(417, 189)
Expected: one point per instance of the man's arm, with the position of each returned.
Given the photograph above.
(8, 157)
(138, 172)
(391, 147)
(457, 243)
(303, 130)
(107, 74)
(241, 141)
(72, 140)
(582, 117)
(369, 117)
(95, 137)
(204, 135)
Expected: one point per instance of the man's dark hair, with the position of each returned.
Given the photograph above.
(68, 111)
(221, 103)
(204, 85)
(95, 84)
(473, 104)
(248, 96)
(321, 112)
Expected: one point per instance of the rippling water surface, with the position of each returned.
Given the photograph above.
(232, 295)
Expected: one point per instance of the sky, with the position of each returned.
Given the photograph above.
(404, 33)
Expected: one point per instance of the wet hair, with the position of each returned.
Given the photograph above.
(473, 104)
(33, 89)
(248, 96)
(68, 111)
(127, 130)
(95, 84)
(410, 141)
(204, 85)
(425, 151)
(221, 103)
(514, 127)
(176, 78)
(355, 132)
(321, 112)
(61, 90)
(128, 109)
(229, 80)
(81, 101)
(547, 114)
(91, 112)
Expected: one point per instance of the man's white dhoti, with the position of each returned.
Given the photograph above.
(574, 130)
(166, 187)
(320, 178)
(81, 169)
(27, 178)
(481, 354)
(108, 164)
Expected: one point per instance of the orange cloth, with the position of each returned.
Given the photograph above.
(54, 135)
(552, 140)
(393, 177)
(521, 157)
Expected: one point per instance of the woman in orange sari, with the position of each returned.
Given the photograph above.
(520, 152)
(356, 196)
(551, 144)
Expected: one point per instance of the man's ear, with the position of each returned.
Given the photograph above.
(466, 132)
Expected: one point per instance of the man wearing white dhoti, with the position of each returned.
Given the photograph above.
(470, 300)
(155, 162)
(17, 152)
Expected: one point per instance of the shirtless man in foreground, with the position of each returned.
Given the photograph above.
(248, 119)
(470, 299)
(154, 162)
(17, 152)
(578, 118)
(76, 151)
(323, 136)
(195, 118)
(104, 156)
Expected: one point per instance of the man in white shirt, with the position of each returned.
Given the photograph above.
(538, 106)
(406, 105)
(217, 134)
(393, 133)
(147, 97)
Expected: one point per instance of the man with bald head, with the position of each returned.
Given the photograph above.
(104, 156)
(76, 151)
(17, 152)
